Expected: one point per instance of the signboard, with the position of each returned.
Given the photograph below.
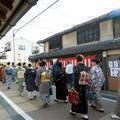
(114, 72)
(110, 64)
(116, 64)
(114, 68)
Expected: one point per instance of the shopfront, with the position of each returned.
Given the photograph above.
(113, 68)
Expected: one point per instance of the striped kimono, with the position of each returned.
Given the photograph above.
(44, 85)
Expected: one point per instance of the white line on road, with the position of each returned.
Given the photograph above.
(110, 100)
(15, 107)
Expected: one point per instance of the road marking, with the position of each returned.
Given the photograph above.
(110, 100)
(15, 107)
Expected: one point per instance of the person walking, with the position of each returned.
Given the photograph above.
(80, 86)
(51, 71)
(24, 66)
(9, 75)
(69, 72)
(96, 82)
(116, 114)
(20, 78)
(55, 67)
(0, 72)
(43, 82)
(61, 84)
(30, 75)
(13, 67)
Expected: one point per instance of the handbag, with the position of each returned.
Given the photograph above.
(73, 97)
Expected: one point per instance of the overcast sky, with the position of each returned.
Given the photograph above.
(63, 15)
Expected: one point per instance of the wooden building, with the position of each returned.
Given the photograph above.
(99, 38)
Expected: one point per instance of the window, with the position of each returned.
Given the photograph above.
(116, 27)
(7, 47)
(55, 43)
(21, 47)
(88, 33)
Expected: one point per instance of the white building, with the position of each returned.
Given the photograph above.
(23, 49)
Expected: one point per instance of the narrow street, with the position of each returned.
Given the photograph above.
(56, 111)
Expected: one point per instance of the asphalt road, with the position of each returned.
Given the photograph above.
(55, 111)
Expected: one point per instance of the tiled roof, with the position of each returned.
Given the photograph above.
(85, 48)
(110, 15)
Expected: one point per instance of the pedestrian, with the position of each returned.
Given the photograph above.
(24, 66)
(30, 75)
(116, 114)
(80, 86)
(0, 72)
(55, 67)
(20, 78)
(69, 72)
(61, 84)
(96, 82)
(51, 71)
(13, 67)
(43, 82)
(8, 74)
(4, 80)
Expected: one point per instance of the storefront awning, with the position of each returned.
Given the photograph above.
(84, 49)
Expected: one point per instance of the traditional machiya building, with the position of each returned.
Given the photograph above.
(97, 38)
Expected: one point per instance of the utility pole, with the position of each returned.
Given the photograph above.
(14, 46)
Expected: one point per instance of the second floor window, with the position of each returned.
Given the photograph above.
(55, 43)
(116, 27)
(88, 33)
(21, 47)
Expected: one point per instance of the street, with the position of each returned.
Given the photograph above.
(56, 111)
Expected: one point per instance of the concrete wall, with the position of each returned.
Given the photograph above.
(20, 55)
(46, 45)
(69, 40)
(106, 30)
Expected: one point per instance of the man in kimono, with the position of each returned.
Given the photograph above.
(96, 83)
(9, 75)
(20, 78)
(30, 75)
(43, 82)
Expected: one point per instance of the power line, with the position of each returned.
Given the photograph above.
(36, 16)
(64, 14)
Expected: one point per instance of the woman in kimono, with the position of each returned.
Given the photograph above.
(116, 114)
(96, 82)
(20, 78)
(61, 84)
(8, 74)
(30, 75)
(80, 86)
(43, 82)
(51, 71)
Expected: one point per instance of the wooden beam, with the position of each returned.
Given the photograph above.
(2, 17)
(6, 4)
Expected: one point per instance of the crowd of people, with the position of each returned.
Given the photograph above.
(86, 82)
